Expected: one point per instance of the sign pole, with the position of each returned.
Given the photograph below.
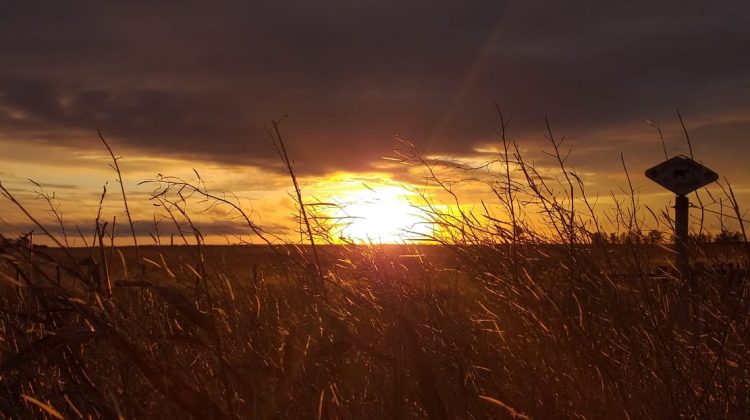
(682, 175)
(682, 204)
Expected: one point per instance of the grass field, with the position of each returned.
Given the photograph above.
(496, 320)
(389, 332)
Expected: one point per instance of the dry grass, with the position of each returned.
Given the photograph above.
(499, 321)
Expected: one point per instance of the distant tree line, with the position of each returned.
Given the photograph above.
(656, 237)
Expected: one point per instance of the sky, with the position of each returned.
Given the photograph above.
(177, 86)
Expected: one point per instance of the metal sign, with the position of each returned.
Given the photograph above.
(681, 175)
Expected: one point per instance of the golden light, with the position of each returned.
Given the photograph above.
(379, 215)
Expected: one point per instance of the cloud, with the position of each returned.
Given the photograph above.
(202, 82)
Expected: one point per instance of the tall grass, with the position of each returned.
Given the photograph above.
(517, 313)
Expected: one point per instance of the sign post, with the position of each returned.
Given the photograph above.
(681, 175)
(681, 217)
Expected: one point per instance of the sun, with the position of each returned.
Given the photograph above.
(379, 215)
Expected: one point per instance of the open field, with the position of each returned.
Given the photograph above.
(385, 332)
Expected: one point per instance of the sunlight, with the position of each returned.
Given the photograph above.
(379, 215)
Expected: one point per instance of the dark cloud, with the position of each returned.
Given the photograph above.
(204, 80)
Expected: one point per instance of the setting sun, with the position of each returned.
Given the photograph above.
(379, 215)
